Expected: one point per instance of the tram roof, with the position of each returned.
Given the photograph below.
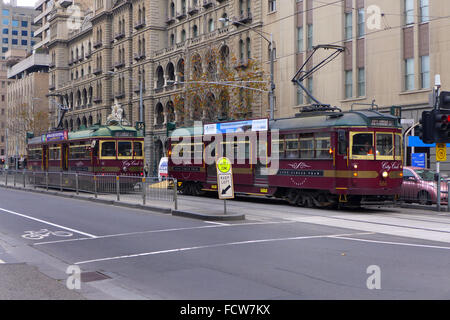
(366, 118)
(363, 118)
(96, 131)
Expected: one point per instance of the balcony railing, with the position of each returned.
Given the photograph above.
(97, 71)
(207, 3)
(181, 15)
(139, 56)
(170, 20)
(119, 35)
(192, 10)
(119, 64)
(119, 95)
(243, 18)
(98, 100)
(98, 44)
(139, 25)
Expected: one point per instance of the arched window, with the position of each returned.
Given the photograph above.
(241, 50)
(195, 31)
(249, 49)
(183, 35)
(159, 77)
(180, 70)
(159, 111)
(172, 10)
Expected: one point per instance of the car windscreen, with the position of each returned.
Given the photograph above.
(425, 175)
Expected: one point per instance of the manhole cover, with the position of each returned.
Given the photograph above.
(93, 276)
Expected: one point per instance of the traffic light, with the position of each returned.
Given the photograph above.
(444, 100)
(442, 126)
(426, 131)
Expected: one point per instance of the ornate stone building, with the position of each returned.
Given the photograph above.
(141, 53)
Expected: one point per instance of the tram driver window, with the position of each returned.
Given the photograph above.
(137, 149)
(362, 144)
(385, 145)
(124, 148)
(108, 149)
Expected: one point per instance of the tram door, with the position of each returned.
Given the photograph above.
(65, 157)
(342, 161)
(211, 169)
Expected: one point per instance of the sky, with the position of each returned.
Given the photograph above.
(28, 3)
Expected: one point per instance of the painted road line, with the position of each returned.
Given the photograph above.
(164, 230)
(218, 245)
(1, 261)
(218, 223)
(49, 223)
(393, 243)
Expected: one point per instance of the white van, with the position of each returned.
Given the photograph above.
(163, 171)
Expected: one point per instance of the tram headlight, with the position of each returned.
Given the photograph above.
(385, 174)
(355, 166)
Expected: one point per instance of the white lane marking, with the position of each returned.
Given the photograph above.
(393, 243)
(164, 230)
(49, 223)
(218, 245)
(218, 223)
(1, 261)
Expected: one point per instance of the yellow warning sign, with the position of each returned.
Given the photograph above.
(441, 152)
(224, 165)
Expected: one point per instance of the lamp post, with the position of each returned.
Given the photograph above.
(272, 84)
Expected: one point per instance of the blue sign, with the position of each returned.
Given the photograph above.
(236, 126)
(414, 141)
(418, 160)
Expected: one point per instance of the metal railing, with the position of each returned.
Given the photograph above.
(132, 189)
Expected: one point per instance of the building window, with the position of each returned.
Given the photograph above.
(300, 46)
(5, 22)
(25, 24)
(249, 49)
(211, 25)
(409, 12)
(348, 25)
(15, 23)
(425, 72)
(195, 31)
(272, 5)
(24, 42)
(361, 23)
(348, 84)
(183, 35)
(5, 40)
(5, 12)
(409, 74)
(5, 31)
(361, 82)
(24, 33)
(241, 50)
(15, 32)
(424, 11)
(310, 36)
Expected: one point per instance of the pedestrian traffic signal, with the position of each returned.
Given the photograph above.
(426, 131)
(442, 126)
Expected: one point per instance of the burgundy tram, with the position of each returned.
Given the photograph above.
(346, 158)
(99, 150)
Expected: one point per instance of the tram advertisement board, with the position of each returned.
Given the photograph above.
(55, 136)
(236, 126)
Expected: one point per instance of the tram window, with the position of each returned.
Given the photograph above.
(108, 149)
(385, 145)
(292, 146)
(398, 147)
(54, 153)
(124, 148)
(137, 149)
(323, 146)
(363, 144)
(307, 146)
(280, 153)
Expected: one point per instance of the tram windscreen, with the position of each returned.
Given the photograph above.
(363, 144)
(124, 149)
(385, 144)
(108, 149)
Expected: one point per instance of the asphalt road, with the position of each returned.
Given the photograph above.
(279, 252)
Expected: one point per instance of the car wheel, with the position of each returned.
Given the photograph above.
(424, 198)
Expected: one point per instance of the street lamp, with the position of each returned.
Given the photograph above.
(141, 106)
(272, 84)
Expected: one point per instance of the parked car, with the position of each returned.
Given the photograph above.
(419, 186)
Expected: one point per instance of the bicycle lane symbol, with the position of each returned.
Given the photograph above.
(44, 233)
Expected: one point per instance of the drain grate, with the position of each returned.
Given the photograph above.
(93, 276)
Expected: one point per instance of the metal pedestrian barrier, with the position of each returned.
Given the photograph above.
(132, 189)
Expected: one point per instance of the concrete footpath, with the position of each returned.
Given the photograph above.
(212, 213)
